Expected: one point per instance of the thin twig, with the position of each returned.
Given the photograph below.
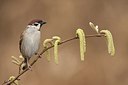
(43, 51)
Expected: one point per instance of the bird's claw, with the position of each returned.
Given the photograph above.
(29, 67)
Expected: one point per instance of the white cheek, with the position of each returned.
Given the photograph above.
(38, 26)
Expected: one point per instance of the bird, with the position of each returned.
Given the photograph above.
(30, 40)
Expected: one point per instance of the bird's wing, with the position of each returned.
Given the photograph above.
(21, 39)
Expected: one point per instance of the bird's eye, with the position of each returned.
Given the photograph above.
(35, 24)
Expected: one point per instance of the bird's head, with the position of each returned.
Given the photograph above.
(37, 23)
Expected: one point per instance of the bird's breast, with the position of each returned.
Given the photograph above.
(30, 44)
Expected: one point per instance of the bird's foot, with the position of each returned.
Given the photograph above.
(29, 67)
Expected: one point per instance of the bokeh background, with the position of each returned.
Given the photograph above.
(63, 18)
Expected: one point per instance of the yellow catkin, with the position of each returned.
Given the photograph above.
(80, 33)
(45, 45)
(16, 82)
(21, 58)
(57, 41)
(48, 54)
(111, 48)
(94, 27)
(56, 51)
(15, 59)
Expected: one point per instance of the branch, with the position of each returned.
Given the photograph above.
(43, 51)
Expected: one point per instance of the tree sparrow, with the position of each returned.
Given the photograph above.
(30, 40)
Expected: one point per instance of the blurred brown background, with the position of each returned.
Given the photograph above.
(63, 18)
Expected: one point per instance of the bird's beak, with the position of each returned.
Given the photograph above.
(43, 23)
